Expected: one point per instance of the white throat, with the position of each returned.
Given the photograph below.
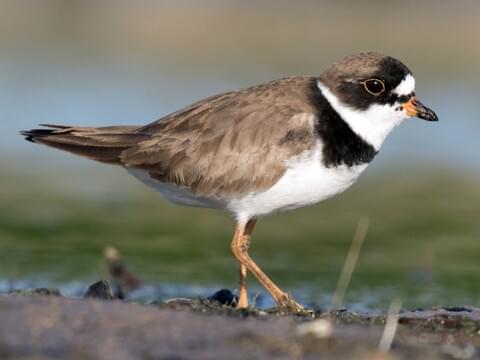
(373, 124)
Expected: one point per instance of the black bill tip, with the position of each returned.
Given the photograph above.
(425, 113)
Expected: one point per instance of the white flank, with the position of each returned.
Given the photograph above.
(306, 182)
(372, 124)
(406, 86)
(175, 194)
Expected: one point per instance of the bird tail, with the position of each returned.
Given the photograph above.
(103, 144)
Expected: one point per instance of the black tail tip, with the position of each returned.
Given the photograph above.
(28, 135)
(31, 134)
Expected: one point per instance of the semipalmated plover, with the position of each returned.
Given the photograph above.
(272, 147)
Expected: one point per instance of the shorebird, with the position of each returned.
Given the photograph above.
(273, 147)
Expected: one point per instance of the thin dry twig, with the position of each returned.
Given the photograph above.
(390, 326)
(350, 262)
(254, 300)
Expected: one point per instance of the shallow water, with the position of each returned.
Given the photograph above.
(371, 300)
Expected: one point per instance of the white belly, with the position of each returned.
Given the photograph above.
(306, 182)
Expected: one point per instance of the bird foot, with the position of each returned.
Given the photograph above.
(286, 302)
(242, 302)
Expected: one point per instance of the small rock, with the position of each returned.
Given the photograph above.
(457, 308)
(180, 302)
(458, 352)
(224, 297)
(99, 290)
(321, 328)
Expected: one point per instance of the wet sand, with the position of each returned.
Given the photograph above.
(44, 327)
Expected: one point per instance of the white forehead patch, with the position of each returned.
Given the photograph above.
(406, 86)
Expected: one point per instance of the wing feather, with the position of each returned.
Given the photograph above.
(231, 144)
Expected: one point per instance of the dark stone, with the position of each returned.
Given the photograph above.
(224, 297)
(99, 290)
(457, 308)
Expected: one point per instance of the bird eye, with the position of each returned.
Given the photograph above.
(374, 86)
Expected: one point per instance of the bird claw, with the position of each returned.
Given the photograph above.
(286, 302)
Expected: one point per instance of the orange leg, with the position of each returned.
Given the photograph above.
(240, 245)
(242, 288)
(243, 292)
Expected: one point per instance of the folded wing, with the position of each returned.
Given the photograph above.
(227, 145)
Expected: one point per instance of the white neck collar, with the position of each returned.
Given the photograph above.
(373, 124)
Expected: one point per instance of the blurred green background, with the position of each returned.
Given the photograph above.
(131, 62)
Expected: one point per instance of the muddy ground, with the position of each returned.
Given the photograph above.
(48, 326)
